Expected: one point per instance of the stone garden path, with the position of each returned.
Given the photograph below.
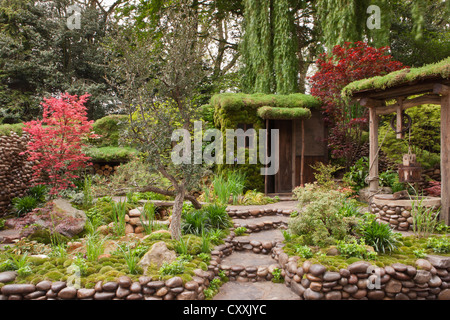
(241, 288)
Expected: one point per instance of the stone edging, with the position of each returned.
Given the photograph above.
(122, 289)
(428, 280)
(398, 212)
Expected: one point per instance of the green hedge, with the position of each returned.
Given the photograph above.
(110, 154)
(6, 129)
(109, 128)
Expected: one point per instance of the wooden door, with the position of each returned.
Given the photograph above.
(283, 179)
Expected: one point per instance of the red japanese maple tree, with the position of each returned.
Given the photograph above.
(57, 139)
(345, 64)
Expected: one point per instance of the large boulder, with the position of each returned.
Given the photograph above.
(157, 255)
(64, 207)
(56, 216)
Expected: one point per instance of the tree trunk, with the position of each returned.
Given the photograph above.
(175, 225)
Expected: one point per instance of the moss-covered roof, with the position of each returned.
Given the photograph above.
(401, 77)
(239, 101)
(284, 113)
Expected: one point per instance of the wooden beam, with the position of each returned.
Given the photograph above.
(410, 103)
(395, 92)
(442, 89)
(368, 102)
(445, 159)
(373, 152)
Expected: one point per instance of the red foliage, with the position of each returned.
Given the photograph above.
(56, 140)
(345, 64)
(435, 189)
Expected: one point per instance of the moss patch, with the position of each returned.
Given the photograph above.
(404, 254)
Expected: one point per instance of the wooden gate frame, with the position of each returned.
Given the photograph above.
(433, 90)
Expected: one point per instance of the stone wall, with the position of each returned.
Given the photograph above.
(15, 170)
(397, 213)
(429, 279)
(122, 289)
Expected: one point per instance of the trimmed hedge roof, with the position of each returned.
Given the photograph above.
(239, 101)
(436, 70)
(6, 129)
(284, 113)
(106, 154)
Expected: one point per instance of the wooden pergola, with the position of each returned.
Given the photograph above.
(420, 87)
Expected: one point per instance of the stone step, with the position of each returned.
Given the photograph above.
(233, 290)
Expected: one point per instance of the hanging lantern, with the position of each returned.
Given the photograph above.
(409, 170)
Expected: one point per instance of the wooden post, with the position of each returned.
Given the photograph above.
(373, 152)
(302, 162)
(266, 153)
(445, 158)
(294, 152)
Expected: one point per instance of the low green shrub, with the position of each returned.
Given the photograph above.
(380, 236)
(320, 223)
(303, 251)
(18, 263)
(254, 197)
(226, 186)
(38, 192)
(439, 244)
(424, 218)
(209, 217)
(172, 269)
(354, 249)
(324, 174)
(24, 205)
(239, 231)
(94, 247)
(277, 277)
(390, 179)
(355, 177)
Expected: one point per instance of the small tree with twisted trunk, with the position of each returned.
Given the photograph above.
(157, 80)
